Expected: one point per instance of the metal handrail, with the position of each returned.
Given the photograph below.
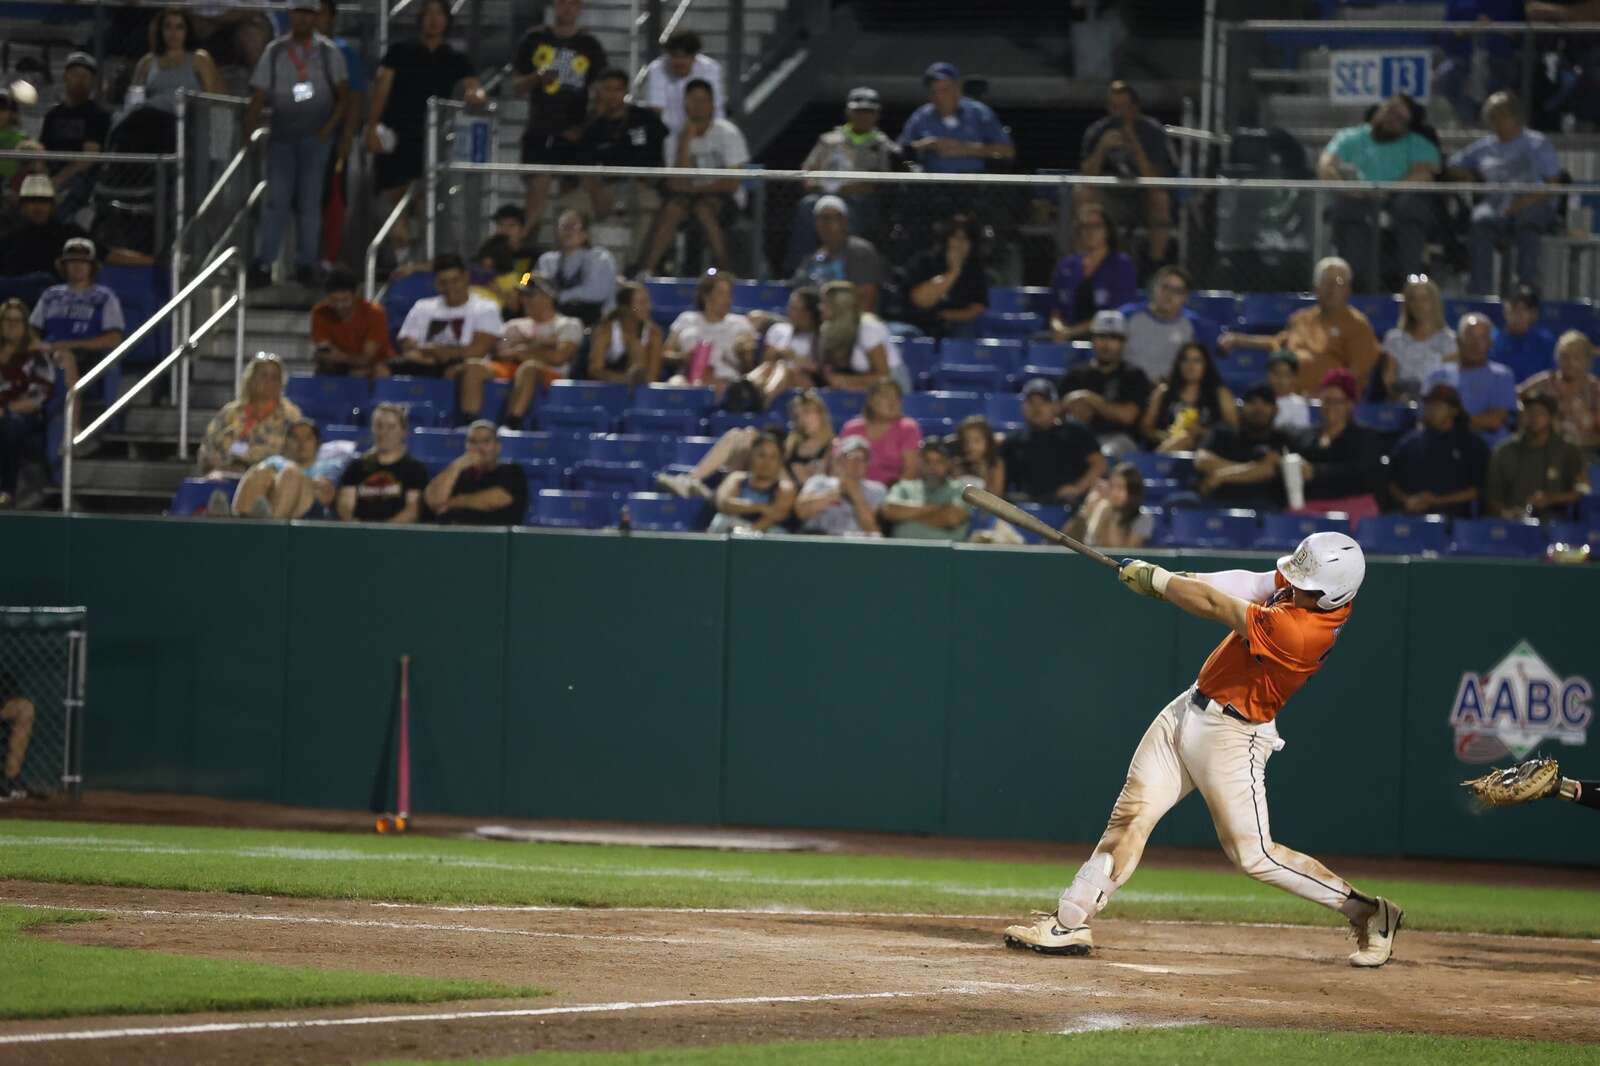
(382, 235)
(1500, 29)
(256, 136)
(235, 303)
(672, 23)
(87, 157)
(249, 205)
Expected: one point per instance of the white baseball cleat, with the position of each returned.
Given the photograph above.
(1048, 938)
(1376, 936)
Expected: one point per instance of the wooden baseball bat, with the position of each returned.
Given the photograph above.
(988, 501)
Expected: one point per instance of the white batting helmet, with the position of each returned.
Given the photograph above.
(1329, 563)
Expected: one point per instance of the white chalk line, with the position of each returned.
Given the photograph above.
(1102, 1023)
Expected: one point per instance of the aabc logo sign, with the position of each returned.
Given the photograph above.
(1517, 706)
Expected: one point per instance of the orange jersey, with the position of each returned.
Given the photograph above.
(1286, 646)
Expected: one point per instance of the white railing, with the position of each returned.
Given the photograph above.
(400, 208)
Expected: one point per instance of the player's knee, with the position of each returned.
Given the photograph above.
(1247, 854)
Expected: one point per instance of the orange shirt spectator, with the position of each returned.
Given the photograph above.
(351, 335)
(1327, 339)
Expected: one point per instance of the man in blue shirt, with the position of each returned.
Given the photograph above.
(950, 133)
(1488, 390)
(1524, 346)
(1510, 153)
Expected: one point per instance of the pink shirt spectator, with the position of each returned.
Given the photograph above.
(888, 452)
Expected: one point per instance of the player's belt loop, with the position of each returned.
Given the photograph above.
(1202, 701)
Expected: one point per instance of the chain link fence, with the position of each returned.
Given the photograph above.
(43, 663)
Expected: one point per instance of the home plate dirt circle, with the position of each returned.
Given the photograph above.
(634, 979)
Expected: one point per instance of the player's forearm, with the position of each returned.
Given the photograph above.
(1243, 584)
(1199, 598)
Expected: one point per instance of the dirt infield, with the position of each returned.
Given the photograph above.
(638, 979)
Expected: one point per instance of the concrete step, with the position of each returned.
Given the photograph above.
(216, 367)
(129, 477)
(161, 423)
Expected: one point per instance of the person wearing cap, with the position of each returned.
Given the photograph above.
(443, 334)
(1129, 144)
(1106, 393)
(857, 145)
(1488, 389)
(1343, 465)
(555, 65)
(1537, 473)
(34, 241)
(1052, 459)
(840, 255)
(951, 133)
(618, 134)
(585, 276)
(302, 76)
(533, 351)
(1524, 346)
(1239, 465)
(79, 319)
(1328, 336)
(668, 76)
(77, 124)
(703, 142)
(1439, 467)
(1576, 390)
(845, 501)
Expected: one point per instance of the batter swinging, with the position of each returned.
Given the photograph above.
(1218, 735)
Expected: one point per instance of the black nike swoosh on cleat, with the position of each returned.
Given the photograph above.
(1385, 930)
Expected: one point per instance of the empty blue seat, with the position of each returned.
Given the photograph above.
(1498, 537)
(565, 509)
(1558, 316)
(678, 423)
(994, 323)
(951, 405)
(1285, 531)
(670, 291)
(920, 355)
(195, 493)
(1213, 529)
(1157, 490)
(428, 443)
(343, 400)
(968, 377)
(1220, 307)
(542, 474)
(1381, 308)
(1268, 312)
(361, 436)
(1403, 534)
(562, 448)
(429, 401)
(1178, 466)
(1242, 367)
(843, 405)
(722, 421)
(618, 463)
(1052, 515)
(401, 294)
(687, 451)
(578, 405)
(1006, 299)
(674, 398)
(1056, 356)
(1575, 533)
(1004, 411)
(1387, 418)
(988, 351)
(663, 512)
(495, 395)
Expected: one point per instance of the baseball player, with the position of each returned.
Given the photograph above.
(1218, 735)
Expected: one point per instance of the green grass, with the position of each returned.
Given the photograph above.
(45, 979)
(437, 870)
(1126, 1047)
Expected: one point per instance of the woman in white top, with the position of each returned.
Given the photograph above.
(711, 345)
(626, 345)
(788, 356)
(172, 63)
(855, 348)
(1421, 343)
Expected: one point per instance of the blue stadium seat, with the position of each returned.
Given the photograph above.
(1220, 307)
(687, 451)
(1456, 306)
(1403, 534)
(843, 405)
(1589, 506)
(428, 401)
(542, 474)
(920, 355)
(1052, 515)
(961, 377)
(1574, 533)
(495, 395)
(1498, 537)
(678, 423)
(693, 398)
(994, 323)
(722, 421)
(1160, 525)
(1242, 368)
(1178, 466)
(618, 463)
(1268, 312)
(343, 400)
(1558, 316)
(565, 449)
(429, 443)
(671, 292)
(949, 405)
(195, 492)
(665, 513)
(1056, 357)
(1157, 490)
(1004, 411)
(1390, 419)
(401, 294)
(562, 509)
(967, 351)
(578, 406)
(1014, 300)
(1213, 529)
(1284, 532)
(358, 435)
(1381, 308)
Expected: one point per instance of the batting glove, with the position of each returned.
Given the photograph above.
(1147, 579)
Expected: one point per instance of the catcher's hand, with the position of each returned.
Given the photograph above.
(1534, 779)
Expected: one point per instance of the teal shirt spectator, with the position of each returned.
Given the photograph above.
(1385, 161)
(973, 122)
(1526, 354)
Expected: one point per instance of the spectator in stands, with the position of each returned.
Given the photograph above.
(1453, 79)
(703, 142)
(26, 379)
(668, 77)
(385, 484)
(1344, 465)
(617, 134)
(895, 439)
(33, 242)
(1525, 347)
(1129, 144)
(302, 76)
(789, 347)
(175, 61)
(80, 320)
(857, 145)
(845, 502)
(350, 334)
(555, 64)
(1095, 277)
(976, 453)
(806, 449)
(251, 427)
(1157, 329)
(928, 507)
(77, 124)
(13, 138)
(710, 345)
(1187, 403)
(1438, 467)
(854, 348)
(355, 112)
(1332, 335)
(16, 715)
(1488, 390)
(1239, 464)
(511, 226)
(1294, 410)
(1576, 391)
(1511, 153)
(397, 115)
(1382, 149)
(952, 133)
(1111, 516)
(1536, 473)
(289, 486)
(840, 255)
(477, 489)
(1420, 344)
(533, 351)
(1107, 394)
(948, 284)
(442, 334)
(234, 37)
(1053, 459)
(760, 498)
(626, 344)
(585, 276)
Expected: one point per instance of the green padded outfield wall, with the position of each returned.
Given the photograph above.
(785, 682)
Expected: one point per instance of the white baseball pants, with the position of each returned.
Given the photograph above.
(1190, 747)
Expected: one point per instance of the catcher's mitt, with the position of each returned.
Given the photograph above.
(1534, 779)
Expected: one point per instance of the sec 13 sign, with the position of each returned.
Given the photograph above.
(1368, 77)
